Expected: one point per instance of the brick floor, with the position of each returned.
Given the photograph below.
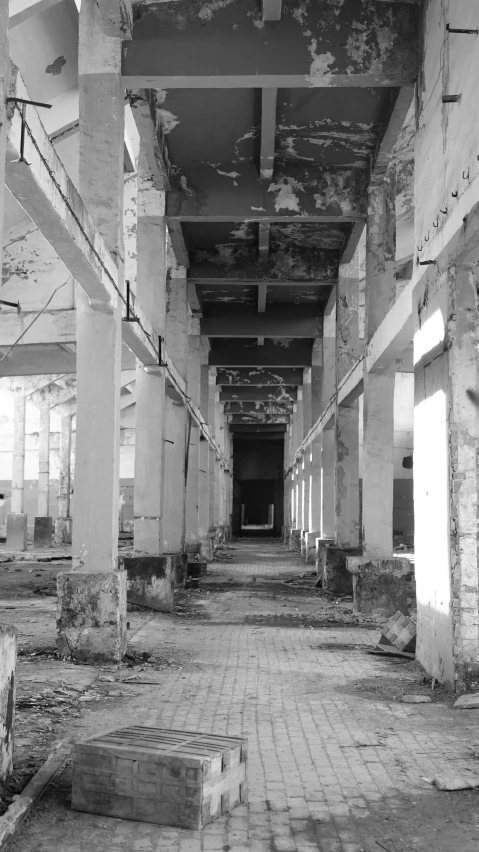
(336, 760)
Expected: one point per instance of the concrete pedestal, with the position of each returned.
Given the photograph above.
(295, 540)
(91, 616)
(304, 533)
(311, 547)
(380, 586)
(8, 655)
(336, 577)
(63, 530)
(320, 545)
(151, 581)
(43, 532)
(16, 531)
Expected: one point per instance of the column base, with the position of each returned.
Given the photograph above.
(304, 533)
(380, 586)
(16, 531)
(320, 544)
(310, 553)
(91, 616)
(286, 535)
(43, 532)
(336, 577)
(151, 581)
(63, 530)
(295, 540)
(206, 548)
(8, 654)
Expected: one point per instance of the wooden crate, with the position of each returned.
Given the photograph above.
(181, 778)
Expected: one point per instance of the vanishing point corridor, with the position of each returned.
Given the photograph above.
(337, 762)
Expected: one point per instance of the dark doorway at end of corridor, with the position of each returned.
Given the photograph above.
(258, 483)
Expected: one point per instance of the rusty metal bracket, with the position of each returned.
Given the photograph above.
(129, 316)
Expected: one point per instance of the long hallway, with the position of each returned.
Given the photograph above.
(337, 760)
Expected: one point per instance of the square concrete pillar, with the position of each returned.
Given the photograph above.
(380, 586)
(16, 531)
(43, 532)
(8, 656)
(295, 541)
(151, 581)
(321, 543)
(310, 539)
(91, 616)
(63, 530)
(336, 577)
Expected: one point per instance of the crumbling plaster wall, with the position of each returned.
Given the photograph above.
(445, 311)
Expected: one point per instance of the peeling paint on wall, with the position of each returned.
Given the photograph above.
(286, 198)
(56, 66)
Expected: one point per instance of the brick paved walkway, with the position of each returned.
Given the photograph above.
(336, 760)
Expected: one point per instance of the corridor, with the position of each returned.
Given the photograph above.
(337, 760)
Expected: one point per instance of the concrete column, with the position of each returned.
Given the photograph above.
(176, 428)
(150, 384)
(307, 416)
(195, 350)
(346, 532)
(43, 530)
(378, 441)
(204, 463)
(379, 580)
(91, 619)
(17, 519)
(328, 437)
(221, 471)
(63, 526)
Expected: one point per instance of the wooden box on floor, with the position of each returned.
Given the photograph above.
(181, 778)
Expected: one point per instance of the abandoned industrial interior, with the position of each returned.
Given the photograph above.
(239, 400)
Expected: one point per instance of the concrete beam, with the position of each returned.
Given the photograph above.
(152, 137)
(117, 18)
(53, 394)
(268, 409)
(50, 327)
(178, 243)
(297, 192)
(268, 122)
(259, 393)
(259, 377)
(290, 321)
(22, 10)
(230, 50)
(263, 419)
(292, 264)
(272, 10)
(237, 353)
(284, 282)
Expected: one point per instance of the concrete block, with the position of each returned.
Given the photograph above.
(91, 615)
(151, 581)
(63, 530)
(43, 532)
(304, 533)
(311, 547)
(165, 777)
(380, 586)
(295, 540)
(17, 528)
(336, 577)
(8, 656)
(320, 544)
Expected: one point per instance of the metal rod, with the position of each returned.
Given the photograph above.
(129, 317)
(10, 304)
(24, 101)
(463, 32)
(451, 99)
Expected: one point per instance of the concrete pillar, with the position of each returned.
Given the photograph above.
(150, 235)
(204, 464)
(43, 530)
(63, 526)
(17, 519)
(91, 619)
(379, 580)
(195, 352)
(346, 533)
(328, 436)
(378, 440)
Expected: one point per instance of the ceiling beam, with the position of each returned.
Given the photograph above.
(258, 376)
(285, 282)
(290, 321)
(262, 419)
(259, 393)
(22, 10)
(267, 409)
(303, 264)
(270, 429)
(268, 132)
(202, 194)
(231, 51)
(262, 295)
(241, 353)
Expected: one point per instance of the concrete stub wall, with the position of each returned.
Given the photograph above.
(8, 656)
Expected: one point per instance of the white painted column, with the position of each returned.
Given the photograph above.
(63, 529)
(315, 503)
(347, 532)
(44, 463)
(328, 437)
(16, 518)
(204, 461)
(176, 423)
(307, 455)
(378, 440)
(195, 350)
(150, 384)
(92, 599)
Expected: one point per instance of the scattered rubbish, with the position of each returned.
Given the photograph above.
(467, 702)
(399, 637)
(456, 782)
(416, 699)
